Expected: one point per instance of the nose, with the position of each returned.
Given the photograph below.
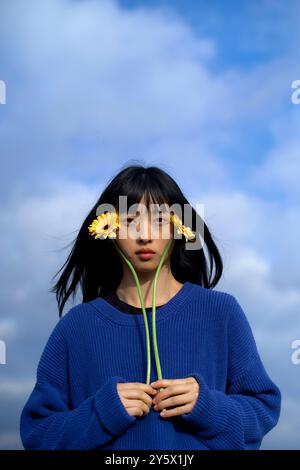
(144, 232)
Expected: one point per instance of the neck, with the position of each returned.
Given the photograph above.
(167, 286)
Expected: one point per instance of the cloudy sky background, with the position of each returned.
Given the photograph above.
(201, 89)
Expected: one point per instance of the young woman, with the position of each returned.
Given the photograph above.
(98, 386)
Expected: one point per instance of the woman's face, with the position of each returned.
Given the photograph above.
(148, 229)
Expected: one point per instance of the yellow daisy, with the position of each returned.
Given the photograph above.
(105, 225)
(182, 229)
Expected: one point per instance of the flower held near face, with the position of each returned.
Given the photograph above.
(105, 225)
(182, 229)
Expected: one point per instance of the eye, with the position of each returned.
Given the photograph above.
(129, 220)
(161, 220)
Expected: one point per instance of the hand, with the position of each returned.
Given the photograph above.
(135, 397)
(183, 392)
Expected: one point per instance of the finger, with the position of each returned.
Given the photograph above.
(147, 388)
(134, 411)
(133, 403)
(168, 382)
(178, 410)
(138, 404)
(169, 391)
(139, 395)
(176, 400)
(145, 397)
(136, 385)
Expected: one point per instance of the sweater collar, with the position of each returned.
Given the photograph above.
(115, 315)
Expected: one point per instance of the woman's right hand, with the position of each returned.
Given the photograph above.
(135, 397)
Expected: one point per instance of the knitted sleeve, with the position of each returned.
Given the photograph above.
(47, 421)
(249, 408)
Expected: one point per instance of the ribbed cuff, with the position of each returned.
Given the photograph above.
(110, 409)
(204, 413)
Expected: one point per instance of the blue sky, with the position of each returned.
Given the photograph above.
(247, 33)
(202, 89)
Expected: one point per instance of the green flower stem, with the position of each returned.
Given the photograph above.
(143, 308)
(157, 361)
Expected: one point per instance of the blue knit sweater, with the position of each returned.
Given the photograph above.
(201, 332)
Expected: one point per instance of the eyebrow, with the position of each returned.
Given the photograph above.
(154, 213)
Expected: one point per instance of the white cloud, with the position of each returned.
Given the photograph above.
(15, 387)
(34, 237)
(7, 327)
(280, 170)
(10, 441)
(286, 434)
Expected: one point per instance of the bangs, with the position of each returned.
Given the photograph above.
(144, 190)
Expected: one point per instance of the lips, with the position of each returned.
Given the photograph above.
(144, 252)
(145, 256)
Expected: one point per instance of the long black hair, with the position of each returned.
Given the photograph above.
(96, 265)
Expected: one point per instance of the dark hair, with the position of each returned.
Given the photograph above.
(97, 266)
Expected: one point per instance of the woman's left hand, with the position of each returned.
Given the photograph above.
(182, 392)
